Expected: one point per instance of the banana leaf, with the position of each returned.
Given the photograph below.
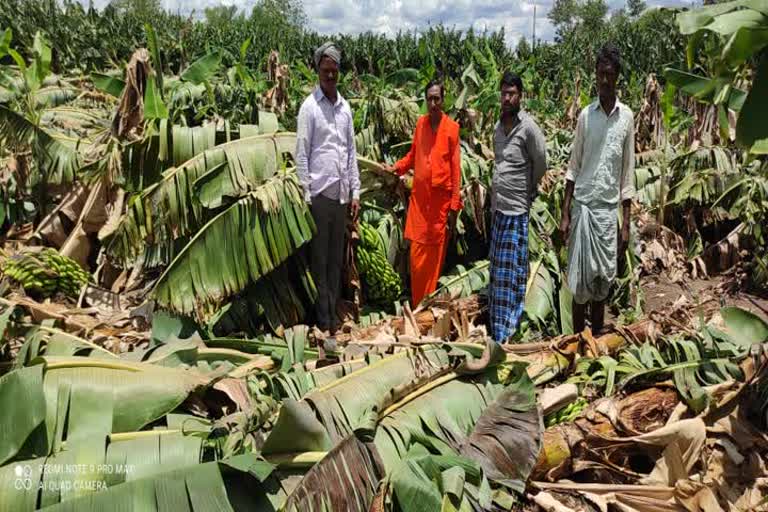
(199, 488)
(145, 161)
(85, 396)
(100, 465)
(424, 481)
(203, 68)
(291, 348)
(498, 427)
(327, 415)
(154, 106)
(743, 327)
(58, 162)
(23, 403)
(41, 340)
(168, 326)
(691, 363)
(355, 470)
(5, 321)
(108, 84)
(154, 50)
(55, 96)
(296, 383)
(75, 122)
(539, 295)
(244, 171)
(648, 185)
(750, 128)
(188, 142)
(697, 19)
(239, 246)
(284, 301)
(266, 123)
(462, 282)
(565, 298)
(171, 209)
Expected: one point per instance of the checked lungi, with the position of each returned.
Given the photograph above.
(509, 272)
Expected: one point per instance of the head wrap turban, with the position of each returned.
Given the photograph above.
(327, 50)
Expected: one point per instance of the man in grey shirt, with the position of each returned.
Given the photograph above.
(326, 162)
(520, 162)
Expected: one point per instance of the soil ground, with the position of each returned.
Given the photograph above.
(661, 293)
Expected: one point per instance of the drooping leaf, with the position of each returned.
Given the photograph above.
(697, 86)
(539, 294)
(236, 248)
(745, 43)
(188, 142)
(50, 97)
(166, 325)
(23, 405)
(198, 488)
(744, 328)
(85, 396)
(296, 430)
(694, 20)
(108, 84)
(751, 126)
(413, 488)
(203, 68)
(462, 282)
(343, 404)
(41, 340)
(145, 229)
(354, 468)
(57, 160)
(507, 437)
(441, 427)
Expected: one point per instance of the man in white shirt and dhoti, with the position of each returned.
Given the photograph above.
(599, 177)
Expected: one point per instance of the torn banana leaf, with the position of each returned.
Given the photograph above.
(236, 248)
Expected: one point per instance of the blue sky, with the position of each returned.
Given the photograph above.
(389, 16)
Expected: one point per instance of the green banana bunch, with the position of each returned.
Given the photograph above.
(46, 273)
(382, 283)
(567, 413)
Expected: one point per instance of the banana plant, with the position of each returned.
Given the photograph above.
(733, 33)
(709, 357)
(57, 159)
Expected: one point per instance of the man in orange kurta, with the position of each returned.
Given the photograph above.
(436, 196)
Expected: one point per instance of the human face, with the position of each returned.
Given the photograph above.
(434, 100)
(607, 76)
(510, 99)
(328, 72)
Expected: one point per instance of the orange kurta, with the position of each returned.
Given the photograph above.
(436, 160)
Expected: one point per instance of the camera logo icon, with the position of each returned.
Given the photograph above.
(23, 477)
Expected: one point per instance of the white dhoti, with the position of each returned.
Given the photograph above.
(592, 251)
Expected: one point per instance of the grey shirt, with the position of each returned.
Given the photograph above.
(520, 162)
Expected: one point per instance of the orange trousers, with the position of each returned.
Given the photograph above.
(426, 264)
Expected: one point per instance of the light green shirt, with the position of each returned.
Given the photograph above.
(603, 155)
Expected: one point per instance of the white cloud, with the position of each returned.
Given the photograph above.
(390, 16)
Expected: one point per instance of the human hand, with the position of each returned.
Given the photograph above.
(624, 240)
(565, 226)
(452, 217)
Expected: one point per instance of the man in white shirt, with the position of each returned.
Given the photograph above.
(599, 177)
(326, 163)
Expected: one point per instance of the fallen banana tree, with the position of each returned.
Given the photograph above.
(407, 426)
